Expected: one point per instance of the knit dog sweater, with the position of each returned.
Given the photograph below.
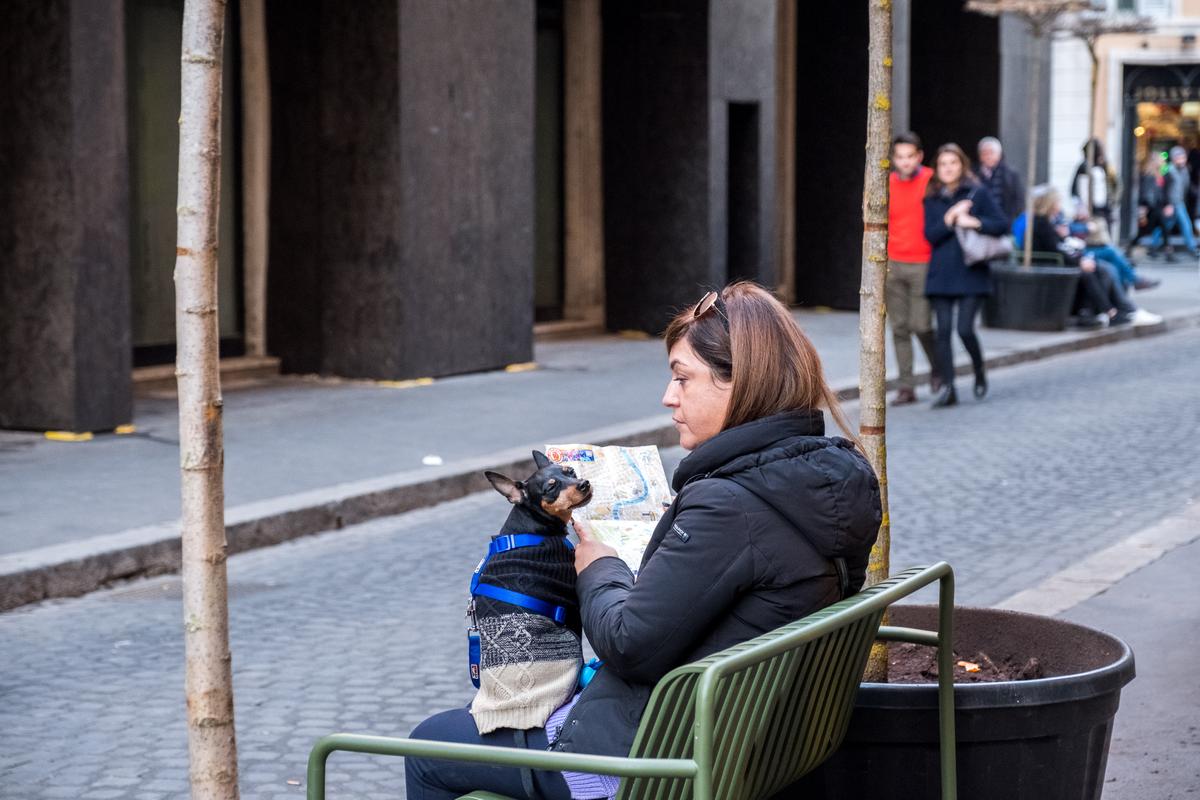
(529, 665)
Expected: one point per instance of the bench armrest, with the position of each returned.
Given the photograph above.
(500, 756)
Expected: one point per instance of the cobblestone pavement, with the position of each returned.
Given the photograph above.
(361, 630)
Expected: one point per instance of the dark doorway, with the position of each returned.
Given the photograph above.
(955, 75)
(153, 41)
(831, 129)
(548, 164)
(742, 247)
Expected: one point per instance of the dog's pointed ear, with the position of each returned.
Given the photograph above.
(513, 490)
(540, 459)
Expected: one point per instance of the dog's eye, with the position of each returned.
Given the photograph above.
(570, 473)
(550, 484)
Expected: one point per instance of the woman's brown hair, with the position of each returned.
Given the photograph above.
(751, 342)
(967, 178)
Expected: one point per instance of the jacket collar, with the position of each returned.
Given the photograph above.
(748, 438)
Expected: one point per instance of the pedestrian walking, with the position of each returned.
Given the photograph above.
(1176, 183)
(954, 200)
(908, 264)
(1000, 179)
(1150, 199)
(772, 521)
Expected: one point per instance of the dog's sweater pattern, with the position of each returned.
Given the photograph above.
(529, 666)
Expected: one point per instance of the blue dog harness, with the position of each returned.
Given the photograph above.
(502, 544)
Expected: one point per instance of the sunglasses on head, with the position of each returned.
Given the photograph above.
(710, 301)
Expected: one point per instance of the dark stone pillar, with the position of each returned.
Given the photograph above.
(466, 185)
(402, 186)
(656, 160)
(64, 288)
(955, 76)
(831, 130)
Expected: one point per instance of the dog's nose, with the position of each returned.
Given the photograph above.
(585, 487)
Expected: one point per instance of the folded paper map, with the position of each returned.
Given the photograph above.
(630, 493)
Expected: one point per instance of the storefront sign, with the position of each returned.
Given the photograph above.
(1164, 94)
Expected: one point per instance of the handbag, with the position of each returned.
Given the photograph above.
(980, 247)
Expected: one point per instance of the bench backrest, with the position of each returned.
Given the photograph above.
(759, 715)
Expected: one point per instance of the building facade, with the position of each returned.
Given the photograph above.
(1147, 96)
(409, 187)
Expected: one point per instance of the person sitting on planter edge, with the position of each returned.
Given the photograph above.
(773, 520)
(1099, 298)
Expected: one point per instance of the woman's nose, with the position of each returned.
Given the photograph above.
(668, 399)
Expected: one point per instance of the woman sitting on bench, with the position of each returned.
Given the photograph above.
(773, 520)
(1099, 298)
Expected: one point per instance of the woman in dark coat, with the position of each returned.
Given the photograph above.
(954, 199)
(773, 520)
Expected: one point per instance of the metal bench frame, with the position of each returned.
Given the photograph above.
(742, 723)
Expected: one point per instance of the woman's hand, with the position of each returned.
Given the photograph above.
(589, 548)
(955, 211)
(1087, 264)
(965, 220)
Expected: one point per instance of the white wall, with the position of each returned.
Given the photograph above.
(1070, 82)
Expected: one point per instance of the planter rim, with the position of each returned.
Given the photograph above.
(1001, 694)
(1044, 269)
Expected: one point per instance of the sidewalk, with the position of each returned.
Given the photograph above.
(305, 455)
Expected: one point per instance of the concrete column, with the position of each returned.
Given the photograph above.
(901, 63)
(65, 348)
(1017, 50)
(583, 188)
(256, 163)
(785, 149)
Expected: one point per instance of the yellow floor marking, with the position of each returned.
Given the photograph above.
(125, 430)
(524, 366)
(68, 436)
(404, 384)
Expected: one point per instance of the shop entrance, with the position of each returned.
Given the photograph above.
(1162, 110)
(154, 38)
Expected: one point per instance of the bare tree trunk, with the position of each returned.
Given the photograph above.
(872, 310)
(1035, 93)
(212, 743)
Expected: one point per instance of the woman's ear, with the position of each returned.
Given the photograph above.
(513, 490)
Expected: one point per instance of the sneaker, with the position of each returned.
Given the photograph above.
(1143, 317)
(1119, 319)
(1145, 284)
(1089, 322)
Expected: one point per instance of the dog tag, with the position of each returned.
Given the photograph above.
(473, 655)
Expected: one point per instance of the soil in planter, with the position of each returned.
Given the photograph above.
(914, 663)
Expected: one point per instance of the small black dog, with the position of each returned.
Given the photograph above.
(524, 603)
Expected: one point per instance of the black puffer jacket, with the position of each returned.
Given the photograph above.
(747, 546)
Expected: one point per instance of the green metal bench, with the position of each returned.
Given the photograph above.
(742, 723)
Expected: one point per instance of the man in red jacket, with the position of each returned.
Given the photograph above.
(908, 262)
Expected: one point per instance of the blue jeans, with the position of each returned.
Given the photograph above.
(1111, 255)
(1179, 220)
(432, 779)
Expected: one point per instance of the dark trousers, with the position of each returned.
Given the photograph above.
(1098, 291)
(431, 779)
(943, 310)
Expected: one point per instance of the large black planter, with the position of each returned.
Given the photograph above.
(1044, 739)
(1034, 299)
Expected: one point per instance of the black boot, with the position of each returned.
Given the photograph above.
(946, 397)
(981, 385)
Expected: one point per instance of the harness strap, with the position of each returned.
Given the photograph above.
(556, 613)
(502, 544)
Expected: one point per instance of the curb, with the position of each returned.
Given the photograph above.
(76, 568)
